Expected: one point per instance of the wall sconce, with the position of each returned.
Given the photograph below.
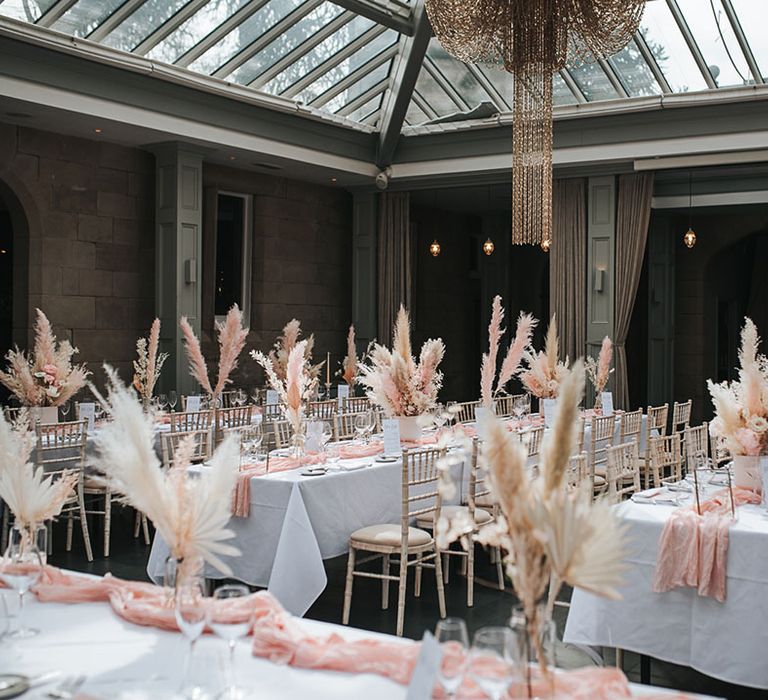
(434, 248)
(689, 238)
(488, 247)
(545, 245)
(599, 279)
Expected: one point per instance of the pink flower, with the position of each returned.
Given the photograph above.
(51, 370)
(749, 440)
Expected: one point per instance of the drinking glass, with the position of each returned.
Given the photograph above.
(162, 402)
(452, 632)
(255, 436)
(191, 610)
(241, 397)
(452, 409)
(326, 433)
(491, 660)
(361, 422)
(21, 568)
(64, 408)
(173, 399)
(230, 629)
(440, 416)
(332, 455)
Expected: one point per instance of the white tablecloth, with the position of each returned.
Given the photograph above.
(724, 640)
(297, 521)
(117, 656)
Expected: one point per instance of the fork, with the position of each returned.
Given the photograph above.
(68, 688)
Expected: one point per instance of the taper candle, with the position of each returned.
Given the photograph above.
(328, 368)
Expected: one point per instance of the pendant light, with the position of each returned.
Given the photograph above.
(488, 246)
(690, 236)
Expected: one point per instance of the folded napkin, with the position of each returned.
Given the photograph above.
(693, 548)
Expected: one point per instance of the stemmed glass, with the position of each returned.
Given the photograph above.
(64, 408)
(452, 411)
(21, 568)
(240, 398)
(326, 433)
(229, 628)
(440, 416)
(251, 438)
(361, 422)
(492, 659)
(452, 632)
(191, 609)
(162, 402)
(173, 399)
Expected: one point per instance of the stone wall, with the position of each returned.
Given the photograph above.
(89, 207)
(302, 263)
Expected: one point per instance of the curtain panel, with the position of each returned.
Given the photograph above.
(395, 260)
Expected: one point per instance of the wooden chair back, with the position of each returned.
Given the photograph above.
(465, 412)
(236, 417)
(601, 436)
(623, 471)
(203, 442)
(578, 475)
(420, 493)
(696, 441)
(666, 461)
(188, 421)
(61, 446)
(631, 426)
(681, 415)
(323, 410)
(355, 404)
(281, 430)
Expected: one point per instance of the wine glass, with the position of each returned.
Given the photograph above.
(326, 433)
(191, 611)
(333, 455)
(491, 659)
(452, 634)
(173, 399)
(162, 402)
(255, 437)
(452, 409)
(230, 628)
(361, 422)
(21, 568)
(64, 408)
(440, 417)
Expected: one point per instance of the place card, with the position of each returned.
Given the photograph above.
(342, 391)
(427, 667)
(272, 397)
(193, 403)
(550, 409)
(87, 411)
(391, 428)
(607, 403)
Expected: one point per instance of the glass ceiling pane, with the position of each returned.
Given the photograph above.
(434, 95)
(289, 40)
(414, 115)
(322, 52)
(195, 29)
(85, 15)
(244, 34)
(561, 93)
(25, 10)
(717, 42)
(358, 88)
(668, 46)
(368, 108)
(457, 74)
(593, 82)
(634, 73)
(138, 26)
(752, 20)
(501, 80)
(347, 66)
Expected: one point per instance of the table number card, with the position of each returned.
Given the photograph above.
(427, 667)
(272, 397)
(549, 406)
(87, 411)
(607, 402)
(193, 403)
(391, 436)
(342, 391)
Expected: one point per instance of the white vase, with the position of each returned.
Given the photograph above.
(746, 472)
(44, 414)
(409, 427)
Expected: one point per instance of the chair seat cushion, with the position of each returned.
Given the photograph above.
(599, 481)
(450, 512)
(389, 535)
(601, 472)
(482, 502)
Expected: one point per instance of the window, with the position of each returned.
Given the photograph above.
(233, 253)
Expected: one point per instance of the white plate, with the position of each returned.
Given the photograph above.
(385, 458)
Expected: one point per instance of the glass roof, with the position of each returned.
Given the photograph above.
(337, 60)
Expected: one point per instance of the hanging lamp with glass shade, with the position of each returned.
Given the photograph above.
(690, 235)
(434, 248)
(488, 247)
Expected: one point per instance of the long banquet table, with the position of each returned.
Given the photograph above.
(123, 661)
(723, 640)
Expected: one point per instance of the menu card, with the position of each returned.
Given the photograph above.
(391, 436)
(607, 403)
(550, 408)
(87, 411)
(427, 667)
(272, 397)
(342, 391)
(193, 403)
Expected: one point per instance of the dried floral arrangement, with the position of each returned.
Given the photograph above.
(231, 336)
(511, 363)
(47, 377)
(549, 535)
(283, 346)
(149, 363)
(349, 364)
(600, 370)
(32, 496)
(298, 386)
(191, 512)
(741, 406)
(545, 372)
(395, 381)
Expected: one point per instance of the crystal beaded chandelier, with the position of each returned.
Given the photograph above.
(533, 39)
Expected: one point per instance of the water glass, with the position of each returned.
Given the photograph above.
(452, 634)
(64, 409)
(230, 628)
(21, 568)
(191, 611)
(361, 422)
(173, 399)
(492, 660)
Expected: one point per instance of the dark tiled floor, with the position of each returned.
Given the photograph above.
(129, 558)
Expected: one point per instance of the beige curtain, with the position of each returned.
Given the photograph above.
(394, 260)
(567, 265)
(634, 213)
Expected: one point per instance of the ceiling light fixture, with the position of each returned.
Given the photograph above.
(488, 247)
(690, 236)
(434, 248)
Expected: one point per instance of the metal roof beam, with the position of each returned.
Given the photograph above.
(692, 45)
(498, 99)
(743, 43)
(650, 59)
(363, 97)
(403, 83)
(448, 89)
(392, 14)
(54, 12)
(116, 18)
(168, 27)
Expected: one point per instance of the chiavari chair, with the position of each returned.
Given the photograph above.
(323, 410)
(355, 404)
(578, 474)
(203, 445)
(696, 444)
(666, 462)
(532, 439)
(623, 471)
(719, 452)
(465, 412)
(600, 437)
(410, 546)
(282, 432)
(655, 426)
(187, 421)
(630, 426)
(236, 417)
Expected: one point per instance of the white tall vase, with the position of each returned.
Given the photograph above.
(746, 472)
(409, 427)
